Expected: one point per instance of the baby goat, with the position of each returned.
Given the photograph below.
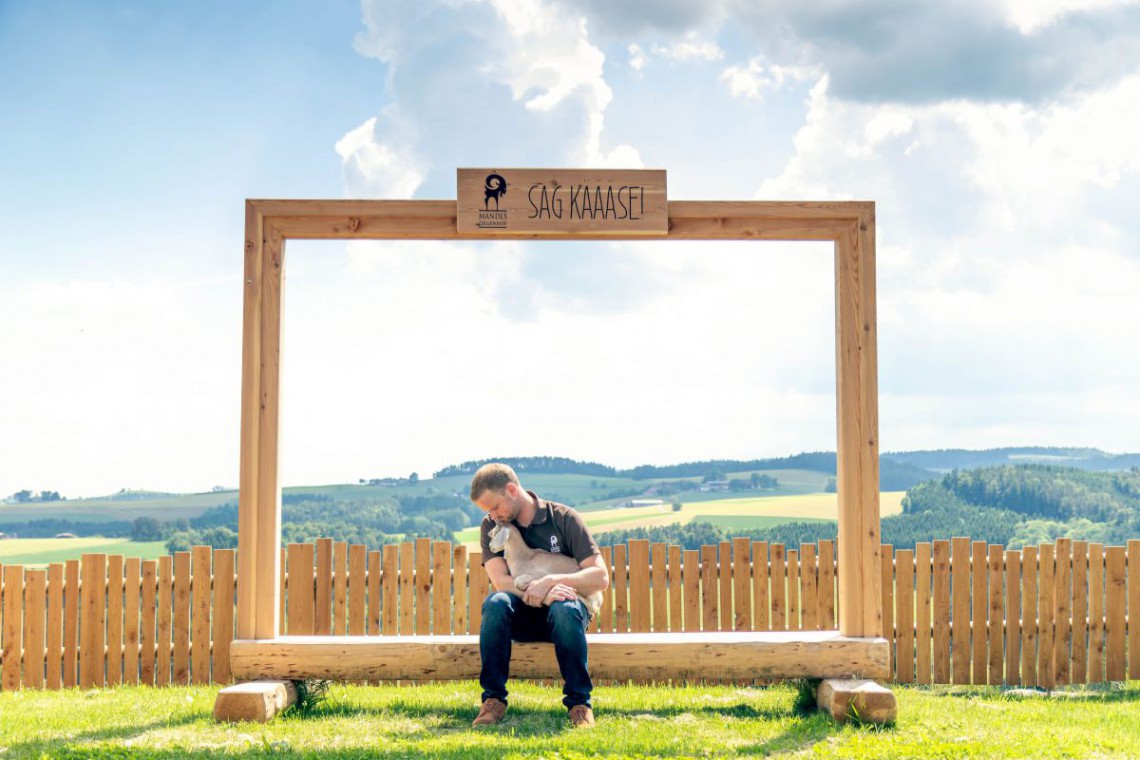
(526, 564)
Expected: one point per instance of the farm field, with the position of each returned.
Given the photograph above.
(758, 512)
(43, 551)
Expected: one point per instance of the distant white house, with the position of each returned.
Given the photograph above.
(645, 502)
(715, 485)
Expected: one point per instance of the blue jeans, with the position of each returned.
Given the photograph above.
(507, 618)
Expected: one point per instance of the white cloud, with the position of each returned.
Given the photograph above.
(374, 169)
(757, 77)
(690, 50)
(1029, 16)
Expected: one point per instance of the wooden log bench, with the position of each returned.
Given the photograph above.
(620, 656)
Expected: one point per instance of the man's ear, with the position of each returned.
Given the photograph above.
(512, 490)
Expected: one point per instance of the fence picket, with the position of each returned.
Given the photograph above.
(93, 588)
(1079, 656)
(406, 580)
(1012, 617)
(148, 626)
(709, 589)
(441, 588)
(132, 585)
(478, 590)
(322, 587)
(724, 585)
(923, 610)
(389, 599)
(904, 601)
(201, 579)
(357, 588)
(1134, 609)
(887, 581)
(1096, 613)
(13, 629)
(340, 587)
(54, 675)
(1062, 604)
(1046, 572)
(605, 619)
(1115, 596)
(996, 615)
(691, 580)
(224, 589)
(180, 674)
(459, 602)
(1029, 615)
(760, 604)
(778, 573)
(639, 599)
(162, 629)
(941, 620)
(659, 586)
(621, 589)
(35, 597)
(809, 602)
(978, 604)
(114, 620)
(676, 609)
(375, 585)
(71, 605)
(422, 585)
(960, 640)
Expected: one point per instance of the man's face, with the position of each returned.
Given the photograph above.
(503, 506)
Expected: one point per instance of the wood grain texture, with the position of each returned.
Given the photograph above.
(1012, 617)
(923, 613)
(224, 591)
(114, 620)
(643, 656)
(35, 615)
(1062, 606)
(54, 670)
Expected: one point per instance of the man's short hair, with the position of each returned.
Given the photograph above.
(492, 477)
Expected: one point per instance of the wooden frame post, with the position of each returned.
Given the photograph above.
(849, 225)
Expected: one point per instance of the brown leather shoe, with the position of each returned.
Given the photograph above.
(490, 713)
(581, 717)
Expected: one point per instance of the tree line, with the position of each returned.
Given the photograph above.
(1010, 505)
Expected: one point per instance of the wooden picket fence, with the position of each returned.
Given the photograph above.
(955, 611)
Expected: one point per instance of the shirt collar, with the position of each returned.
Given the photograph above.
(542, 512)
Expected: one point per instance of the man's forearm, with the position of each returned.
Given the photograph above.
(585, 581)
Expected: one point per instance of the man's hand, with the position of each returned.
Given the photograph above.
(546, 590)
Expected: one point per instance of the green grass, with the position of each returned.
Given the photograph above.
(433, 720)
(42, 551)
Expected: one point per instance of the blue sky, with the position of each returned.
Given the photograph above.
(997, 138)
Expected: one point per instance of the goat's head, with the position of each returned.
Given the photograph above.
(499, 535)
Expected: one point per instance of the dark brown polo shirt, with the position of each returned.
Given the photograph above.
(556, 528)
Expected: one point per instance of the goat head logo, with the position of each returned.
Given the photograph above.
(495, 187)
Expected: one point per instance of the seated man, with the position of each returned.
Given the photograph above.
(549, 609)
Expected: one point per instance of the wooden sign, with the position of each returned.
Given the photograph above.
(576, 201)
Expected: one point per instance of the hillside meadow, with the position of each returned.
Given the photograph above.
(737, 513)
(32, 552)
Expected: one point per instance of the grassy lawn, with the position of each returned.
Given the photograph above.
(42, 551)
(633, 721)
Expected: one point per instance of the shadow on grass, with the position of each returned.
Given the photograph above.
(78, 745)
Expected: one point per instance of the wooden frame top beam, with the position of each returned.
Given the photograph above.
(436, 220)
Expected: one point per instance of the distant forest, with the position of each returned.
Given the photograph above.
(893, 476)
(1011, 505)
